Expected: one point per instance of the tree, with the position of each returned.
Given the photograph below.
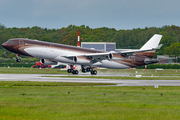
(173, 51)
(2, 26)
(70, 39)
(45, 38)
(36, 28)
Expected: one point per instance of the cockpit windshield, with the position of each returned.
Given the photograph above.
(9, 42)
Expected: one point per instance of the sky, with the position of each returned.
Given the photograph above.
(118, 14)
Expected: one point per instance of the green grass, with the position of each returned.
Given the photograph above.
(149, 72)
(19, 70)
(122, 77)
(172, 73)
(118, 103)
(28, 83)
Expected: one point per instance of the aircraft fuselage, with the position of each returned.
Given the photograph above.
(59, 52)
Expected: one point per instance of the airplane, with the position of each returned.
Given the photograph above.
(52, 53)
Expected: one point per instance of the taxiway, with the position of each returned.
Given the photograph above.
(38, 77)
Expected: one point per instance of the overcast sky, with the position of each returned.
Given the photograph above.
(118, 14)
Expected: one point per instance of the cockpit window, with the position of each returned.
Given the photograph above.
(10, 42)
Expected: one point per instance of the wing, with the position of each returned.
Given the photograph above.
(94, 57)
(98, 57)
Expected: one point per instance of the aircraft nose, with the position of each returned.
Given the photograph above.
(4, 45)
(7, 46)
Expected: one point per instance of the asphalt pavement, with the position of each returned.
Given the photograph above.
(38, 77)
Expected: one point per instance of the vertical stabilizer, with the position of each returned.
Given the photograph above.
(152, 43)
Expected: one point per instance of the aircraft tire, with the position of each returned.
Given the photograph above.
(84, 70)
(88, 69)
(75, 72)
(18, 60)
(94, 72)
(69, 70)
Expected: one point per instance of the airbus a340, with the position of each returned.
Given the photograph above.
(52, 53)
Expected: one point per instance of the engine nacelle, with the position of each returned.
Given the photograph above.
(48, 62)
(110, 56)
(81, 60)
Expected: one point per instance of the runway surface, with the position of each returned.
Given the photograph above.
(37, 77)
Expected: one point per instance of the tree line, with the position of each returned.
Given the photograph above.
(125, 39)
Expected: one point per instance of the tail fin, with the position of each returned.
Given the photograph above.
(152, 43)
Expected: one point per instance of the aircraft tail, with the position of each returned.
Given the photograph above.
(152, 43)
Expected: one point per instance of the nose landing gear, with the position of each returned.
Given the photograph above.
(17, 58)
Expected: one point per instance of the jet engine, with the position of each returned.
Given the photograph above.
(48, 62)
(110, 56)
(81, 60)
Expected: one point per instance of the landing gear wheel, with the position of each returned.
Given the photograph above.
(84, 70)
(89, 69)
(18, 60)
(94, 72)
(69, 70)
(75, 72)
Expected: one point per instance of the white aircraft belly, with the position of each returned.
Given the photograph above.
(41, 52)
(111, 65)
(49, 53)
(55, 54)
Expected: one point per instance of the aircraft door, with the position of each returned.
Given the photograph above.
(21, 42)
(52, 46)
(133, 59)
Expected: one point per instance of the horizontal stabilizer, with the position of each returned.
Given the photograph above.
(141, 50)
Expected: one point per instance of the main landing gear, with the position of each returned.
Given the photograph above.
(89, 69)
(72, 70)
(84, 70)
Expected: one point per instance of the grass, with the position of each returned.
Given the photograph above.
(131, 72)
(122, 77)
(28, 83)
(172, 74)
(19, 70)
(75, 101)
(149, 72)
(90, 102)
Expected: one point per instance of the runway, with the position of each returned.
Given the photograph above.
(37, 77)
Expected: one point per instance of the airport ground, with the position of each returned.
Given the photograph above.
(90, 102)
(27, 100)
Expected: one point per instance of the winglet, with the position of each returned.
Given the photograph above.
(152, 43)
